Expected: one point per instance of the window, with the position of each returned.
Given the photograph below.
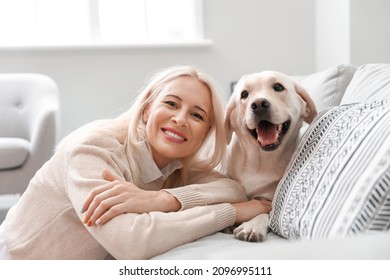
(99, 22)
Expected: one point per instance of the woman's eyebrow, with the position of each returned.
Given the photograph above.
(196, 106)
(201, 109)
(174, 96)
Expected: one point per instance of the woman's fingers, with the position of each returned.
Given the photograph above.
(96, 197)
(107, 175)
(113, 203)
(111, 213)
(106, 210)
(118, 197)
(96, 191)
(108, 198)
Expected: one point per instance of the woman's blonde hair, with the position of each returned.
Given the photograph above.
(211, 151)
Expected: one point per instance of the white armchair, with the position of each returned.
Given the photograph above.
(29, 117)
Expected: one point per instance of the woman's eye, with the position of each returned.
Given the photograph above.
(171, 104)
(198, 116)
(278, 87)
(244, 94)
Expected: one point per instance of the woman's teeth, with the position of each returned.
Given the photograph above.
(174, 135)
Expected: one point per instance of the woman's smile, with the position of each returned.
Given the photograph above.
(173, 135)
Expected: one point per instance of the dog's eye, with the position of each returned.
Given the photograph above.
(278, 87)
(244, 94)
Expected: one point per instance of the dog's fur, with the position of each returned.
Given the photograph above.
(263, 119)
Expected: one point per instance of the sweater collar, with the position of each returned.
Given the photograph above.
(149, 169)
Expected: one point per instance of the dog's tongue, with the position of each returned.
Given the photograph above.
(267, 133)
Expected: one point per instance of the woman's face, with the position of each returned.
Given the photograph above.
(178, 119)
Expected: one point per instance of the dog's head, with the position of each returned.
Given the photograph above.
(266, 107)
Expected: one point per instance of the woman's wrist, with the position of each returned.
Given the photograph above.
(247, 210)
(168, 202)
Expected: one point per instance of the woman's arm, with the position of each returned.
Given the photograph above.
(206, 188)
(119, 197)
(137, 236)
(247, 210)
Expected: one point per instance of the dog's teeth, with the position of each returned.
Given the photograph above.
(279, 127)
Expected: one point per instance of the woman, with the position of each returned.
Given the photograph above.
(159, 159)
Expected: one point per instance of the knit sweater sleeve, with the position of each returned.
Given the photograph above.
(138, 236)
(207, 188)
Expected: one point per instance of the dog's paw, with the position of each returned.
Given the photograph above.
(249, 233)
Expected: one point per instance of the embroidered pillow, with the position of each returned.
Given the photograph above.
(338, 182)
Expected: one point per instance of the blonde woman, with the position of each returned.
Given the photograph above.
(135, 186)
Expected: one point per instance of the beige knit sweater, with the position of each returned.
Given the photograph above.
(46, 223)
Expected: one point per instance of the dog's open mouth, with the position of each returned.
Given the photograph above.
(270, 135)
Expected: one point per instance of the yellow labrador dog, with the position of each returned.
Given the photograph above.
(263, 120)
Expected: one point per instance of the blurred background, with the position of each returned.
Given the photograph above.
(101, 52)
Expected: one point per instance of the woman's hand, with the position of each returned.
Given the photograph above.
(119, 197)
(246, 211)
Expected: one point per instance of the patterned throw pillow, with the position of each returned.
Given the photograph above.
(338, 182)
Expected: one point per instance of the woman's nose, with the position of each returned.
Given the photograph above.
(181, 118)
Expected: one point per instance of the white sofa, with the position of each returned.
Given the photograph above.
(334, 200)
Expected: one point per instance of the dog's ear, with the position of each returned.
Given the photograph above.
(231, 113)
(230, 109)
(311, 110)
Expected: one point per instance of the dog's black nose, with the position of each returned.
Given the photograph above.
(260, 105)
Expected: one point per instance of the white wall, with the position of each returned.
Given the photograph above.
(352, 31)
(247, 36)
(332, 33)
(370, 31)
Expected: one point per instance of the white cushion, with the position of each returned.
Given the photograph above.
(328, 86)
(13, 152)
(370, 82)
(221, 246)
(338, 182)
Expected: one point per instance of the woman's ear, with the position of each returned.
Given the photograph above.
(145, 113)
